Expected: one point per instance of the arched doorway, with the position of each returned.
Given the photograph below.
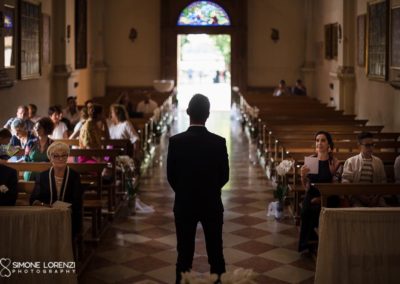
(236, 10)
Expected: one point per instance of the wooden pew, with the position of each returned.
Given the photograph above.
(101, 154)
(328, 189)
(94, 206)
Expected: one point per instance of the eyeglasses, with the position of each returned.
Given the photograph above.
(369, 145)
(62, 156)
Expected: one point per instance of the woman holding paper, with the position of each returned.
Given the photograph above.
(319, 168)
(60, 186)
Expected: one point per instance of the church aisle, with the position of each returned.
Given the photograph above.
(141, 248)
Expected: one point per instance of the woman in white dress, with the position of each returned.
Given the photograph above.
(60, 128)
(120, 126)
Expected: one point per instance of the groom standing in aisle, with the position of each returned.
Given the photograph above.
(197, 169)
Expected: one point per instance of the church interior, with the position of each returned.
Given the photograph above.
(276, 73)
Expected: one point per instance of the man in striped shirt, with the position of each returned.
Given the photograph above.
(365, 168)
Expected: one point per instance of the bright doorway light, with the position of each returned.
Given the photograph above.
(204, 67)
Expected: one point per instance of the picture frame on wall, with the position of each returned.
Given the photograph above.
(394, 71)
(377, 44)
(361, 40)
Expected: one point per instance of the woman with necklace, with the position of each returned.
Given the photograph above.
(37, 152)
(328, 166)
(60, 183)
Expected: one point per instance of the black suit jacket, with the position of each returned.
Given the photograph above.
(197, 169)
(73, 194)
(8, 177)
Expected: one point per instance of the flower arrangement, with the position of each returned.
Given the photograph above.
(238, 276)
(3, 188)
(282, 187)
(127, 166)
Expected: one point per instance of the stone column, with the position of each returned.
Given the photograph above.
(345, 71)
(62, 69)
(96, 15)
(307, 71)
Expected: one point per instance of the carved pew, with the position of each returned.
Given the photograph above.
(328, 189)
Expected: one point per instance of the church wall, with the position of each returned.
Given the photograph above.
(374, 100)
(269, 61)
(35, 91)
(132, 63)
(325, 12)
(377, 101)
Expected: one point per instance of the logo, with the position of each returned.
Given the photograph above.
(4, 270)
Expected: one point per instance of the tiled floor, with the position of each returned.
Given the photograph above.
(141, 248)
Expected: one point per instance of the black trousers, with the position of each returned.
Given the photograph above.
(185, 235)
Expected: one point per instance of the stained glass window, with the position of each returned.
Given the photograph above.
(203, 13)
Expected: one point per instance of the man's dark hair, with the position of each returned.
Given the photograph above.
(54, 109)
(282, 82)
(364, 135)
(5, 133)
(47, 125)
(199, 108)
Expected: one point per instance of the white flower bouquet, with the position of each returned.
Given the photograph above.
(3, 188)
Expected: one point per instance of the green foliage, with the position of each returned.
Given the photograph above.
(223, 43)
(280, 192)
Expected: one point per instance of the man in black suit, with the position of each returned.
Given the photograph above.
(8, 186)
(197, 169)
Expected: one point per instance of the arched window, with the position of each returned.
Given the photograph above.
(203, 13)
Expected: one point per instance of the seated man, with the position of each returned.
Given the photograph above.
(22, 113)
(71, 112)
(32, 113)
(365, 168)
(147, 106)
(299, 89)
(8, 186)
(282, 89)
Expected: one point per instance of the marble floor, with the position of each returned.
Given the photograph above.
(141, 248)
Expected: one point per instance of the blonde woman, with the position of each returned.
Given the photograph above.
(59, 183)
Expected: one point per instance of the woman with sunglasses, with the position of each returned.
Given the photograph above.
(328, 166)
(60, 183)
(37, 151)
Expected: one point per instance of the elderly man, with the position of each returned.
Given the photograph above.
(365, 168)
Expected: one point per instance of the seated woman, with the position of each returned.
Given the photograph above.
(89, 138)
(60, 183)
(22, 138)
(327, 170)
(119, 125)
(60, 128)
(83, 117)
(37, 152)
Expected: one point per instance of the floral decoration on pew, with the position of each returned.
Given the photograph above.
(127, 166)
(276, 208)
(238, 276)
